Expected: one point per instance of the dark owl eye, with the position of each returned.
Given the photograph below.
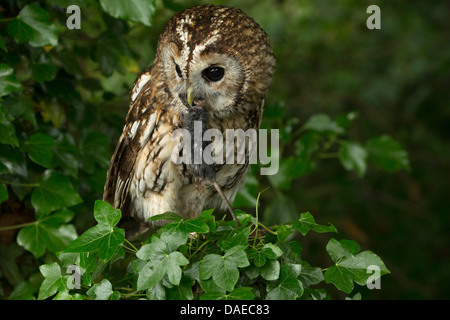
(213, 73)
(178, 70)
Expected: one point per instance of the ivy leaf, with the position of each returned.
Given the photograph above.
(181, 228)
(7, 128)
(43, 69)
(241, 293)
(349, 266)
(8, 81)
(12, 160)
(307, 222)
(239, 238)
(104, 237)
(133, 10)
(270, 270)
(387, 154)
(181, 292)
(259, 259)
(95, 149)
(170, 216)
(103, 291)
(160, 262)
(49, 232)
(288, 287)
(53, 280)
(39, 148)
(54, 192)
(224, 269)
(271, 251)
(33, 25)
(322, 123)
(311, 275)
(157, 292)
(353, 157)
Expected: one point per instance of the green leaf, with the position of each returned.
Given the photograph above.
(162, 259)
(170, 216)
(95, 149)
(156, 292)
(53, 280)
(181, 228)
(271, 251)
(133, 10)
(241, 293)
(353, 157)
(103, 291)
(259, 259)
(341, 249)
(12, 160)
(39, 148)
(288, 287)
(322, 123)
(349, 266)
(66, 154)
(307, 222)
(182, 291)
(49, 232)
(155, 270)
(387, 154)
(105, 214)
(341, 279)
(311, 275)
(104, 237)
(33, 25)
(7, 128)
(224, 269)
(270, 271)
(234, 239)
(54, 192)
(43, 69)
(8, 81)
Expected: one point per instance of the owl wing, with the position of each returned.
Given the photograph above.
(135, 133)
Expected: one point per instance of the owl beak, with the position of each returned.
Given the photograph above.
(190, 97)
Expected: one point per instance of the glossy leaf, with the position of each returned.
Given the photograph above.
(134, 10)
(54, 192)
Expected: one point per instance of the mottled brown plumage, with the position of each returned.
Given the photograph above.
(142, 180)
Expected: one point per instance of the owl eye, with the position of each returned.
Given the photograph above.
(178, 70)
(213, 73)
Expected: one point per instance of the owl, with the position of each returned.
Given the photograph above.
(213, 64)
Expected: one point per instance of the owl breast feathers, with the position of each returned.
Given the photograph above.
(213, 58)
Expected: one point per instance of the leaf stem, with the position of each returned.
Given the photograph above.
(20, 184)
(255, 231)
(17, 226)
(268, 229)
(201, 246)
(132, 246)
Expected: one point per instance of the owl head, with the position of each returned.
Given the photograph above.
(215, 57)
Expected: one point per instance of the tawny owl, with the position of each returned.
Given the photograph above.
(214, 64)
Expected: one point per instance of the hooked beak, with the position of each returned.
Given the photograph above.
(190, 97)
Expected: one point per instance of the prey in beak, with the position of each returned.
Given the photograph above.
(194, 100)
(203, 172)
